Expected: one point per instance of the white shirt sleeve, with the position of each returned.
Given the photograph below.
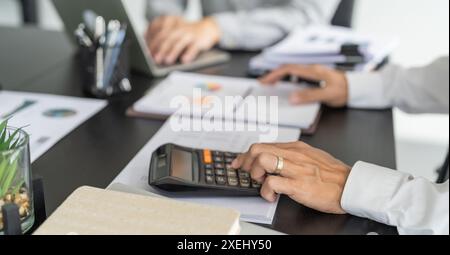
(413, 205)
(156, 8)
(415, 90)
(267, 23)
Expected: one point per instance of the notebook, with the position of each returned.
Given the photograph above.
(202, 92)
(92, 211)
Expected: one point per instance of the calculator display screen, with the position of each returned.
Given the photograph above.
(182, 165)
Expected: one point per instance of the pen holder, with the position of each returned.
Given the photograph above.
(104, 77)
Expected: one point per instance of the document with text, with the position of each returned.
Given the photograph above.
(253, 209)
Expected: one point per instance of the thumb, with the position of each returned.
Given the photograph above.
(308, 96)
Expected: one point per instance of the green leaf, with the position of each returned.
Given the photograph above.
(3, 166)
(11, 173)
(11, 138)
(14, 145)
(2, 139)
(3, 126)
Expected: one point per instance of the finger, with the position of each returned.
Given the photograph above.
(267, 163)
(248, 157)
(276, 75)
(155, 26)
(308, 96)
(166, 45)
(263, 164)
(191, 53)
(308, 72)
(157, 41)
(163, 24)
(247, 160)
(275, 185)
(238, 161)
(177, 49)
(254, 151)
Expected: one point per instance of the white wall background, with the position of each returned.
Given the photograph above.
(421, 25)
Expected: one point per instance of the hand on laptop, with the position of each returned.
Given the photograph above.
(309, 176)
(334, 93)
(170, 38)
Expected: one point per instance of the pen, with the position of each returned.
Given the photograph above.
(89, 18)
(82, 37)
(309, 82)
(111, 41)
(115, 54)
(99, 35)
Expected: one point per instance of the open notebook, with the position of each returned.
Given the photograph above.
(201, 91)
(92, 211)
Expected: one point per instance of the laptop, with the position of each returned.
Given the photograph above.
(71, 13)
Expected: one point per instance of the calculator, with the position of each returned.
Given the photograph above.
(196, 172)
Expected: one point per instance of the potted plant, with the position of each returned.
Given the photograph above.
(15, 176)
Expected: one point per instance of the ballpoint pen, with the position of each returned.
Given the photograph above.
(115, 53)
(82, 37)
(100, 29)
(111, 41)
(90, 21)
(309, 82)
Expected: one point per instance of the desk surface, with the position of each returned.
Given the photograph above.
(96, 152)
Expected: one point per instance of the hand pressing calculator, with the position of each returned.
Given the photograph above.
(199, 172)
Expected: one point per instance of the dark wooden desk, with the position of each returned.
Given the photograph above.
(96, 152)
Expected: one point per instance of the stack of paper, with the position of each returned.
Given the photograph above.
(325, 45)
(91, 211)
(252, 209)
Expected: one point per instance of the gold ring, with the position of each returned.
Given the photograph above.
(280, 165)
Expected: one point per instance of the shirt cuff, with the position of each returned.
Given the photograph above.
(229, 28)
(369, 189)
(366, 91)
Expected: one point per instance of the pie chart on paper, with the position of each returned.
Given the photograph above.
(59, 113)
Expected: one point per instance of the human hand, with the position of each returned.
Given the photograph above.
(171, 38)
(309, 176)
(334, 93)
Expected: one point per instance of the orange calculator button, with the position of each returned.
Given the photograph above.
(207, 156)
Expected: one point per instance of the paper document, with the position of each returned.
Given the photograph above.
(159, 101)
(46, 118)
(324, 45)
(253, 209)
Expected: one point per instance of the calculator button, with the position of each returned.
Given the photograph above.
(243, 174)
(229, 155)
(221, 180)
(245, 183)
(256, 185)
(233, 181)
(209, 172)
(208, 166)
(210, 179)
(229, 160)
(218, 159)
(217, 154)
(231, 173)
(207, 157)
(220, 172)
(219, 165)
